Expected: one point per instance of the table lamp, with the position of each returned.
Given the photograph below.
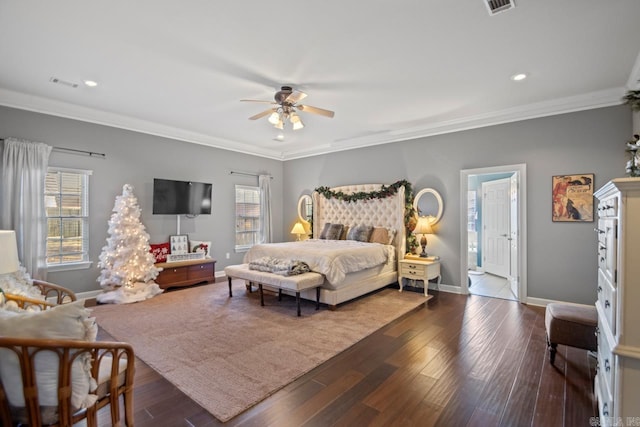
(423, 227)
(298, 229)
(9, 262)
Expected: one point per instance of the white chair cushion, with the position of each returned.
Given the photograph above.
(66, 321)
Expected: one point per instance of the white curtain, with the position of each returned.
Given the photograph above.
(264, 182)
(24, 169)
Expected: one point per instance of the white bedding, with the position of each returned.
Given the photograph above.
(333, 258)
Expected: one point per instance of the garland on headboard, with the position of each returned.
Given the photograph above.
(384, 192)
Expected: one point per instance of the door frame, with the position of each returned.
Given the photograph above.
(521, 174)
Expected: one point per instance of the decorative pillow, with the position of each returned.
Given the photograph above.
(325, 230)
(360, 233)
(200, 246)
(160, 251)
(345, 231)
(379, 235)
(392, 235)
(335, 231)
(66, 321)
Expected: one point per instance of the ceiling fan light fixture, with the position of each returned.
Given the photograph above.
(274, 118)
(279, 125)
(297, 124)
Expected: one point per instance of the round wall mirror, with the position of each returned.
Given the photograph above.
(428, 202)
(305, 208)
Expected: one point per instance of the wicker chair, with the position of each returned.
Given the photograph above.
(112, 365)
(49, 290)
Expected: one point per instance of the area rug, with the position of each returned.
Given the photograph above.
(228, 354)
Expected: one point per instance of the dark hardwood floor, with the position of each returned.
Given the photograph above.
(456, 361)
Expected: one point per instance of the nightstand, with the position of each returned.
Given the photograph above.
(419, 269)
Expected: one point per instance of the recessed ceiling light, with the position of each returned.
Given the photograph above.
(518, 77)
(280, 137)
(90, 83)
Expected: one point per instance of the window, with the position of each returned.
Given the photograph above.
(67, 205)
(247, 217)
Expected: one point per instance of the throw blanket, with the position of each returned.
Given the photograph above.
(333, 258)
(283, 267)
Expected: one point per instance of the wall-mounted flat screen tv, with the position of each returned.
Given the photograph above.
(181, 197)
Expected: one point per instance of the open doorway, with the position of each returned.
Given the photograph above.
(493, 238)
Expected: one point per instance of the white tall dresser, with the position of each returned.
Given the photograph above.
(617, 383)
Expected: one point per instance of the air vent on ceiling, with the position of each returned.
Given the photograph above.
(63, 82)
(496, 6)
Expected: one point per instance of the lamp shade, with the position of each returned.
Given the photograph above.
(423, 226)
(9, 262)
(298, 229)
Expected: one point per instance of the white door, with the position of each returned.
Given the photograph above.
(513, 236)
(495, 227)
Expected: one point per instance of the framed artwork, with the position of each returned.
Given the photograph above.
(179, 244)
(572, 198)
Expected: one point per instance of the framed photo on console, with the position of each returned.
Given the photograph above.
(572, 198)
(179, 244)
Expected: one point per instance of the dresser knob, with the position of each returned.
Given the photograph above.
(607, 304)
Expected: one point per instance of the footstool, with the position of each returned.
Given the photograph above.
(570, 324)
(294, 283)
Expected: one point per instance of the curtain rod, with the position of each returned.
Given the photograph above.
(73, 150)
(247, 174)
(88, 153)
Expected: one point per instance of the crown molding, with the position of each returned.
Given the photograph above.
(598, 99)
(66, 110)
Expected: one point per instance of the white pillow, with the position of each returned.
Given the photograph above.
(66, 321)
(200, 246)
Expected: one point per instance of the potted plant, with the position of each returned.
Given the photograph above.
(632, 99)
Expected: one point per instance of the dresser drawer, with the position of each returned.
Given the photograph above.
(607, 248)
(607, 300)
(171, 274)
(608, 207)
(605, 401)
(411, 269)
(202, 271)
(606, 359)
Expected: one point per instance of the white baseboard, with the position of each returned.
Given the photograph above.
(542, 302)
(445, 288)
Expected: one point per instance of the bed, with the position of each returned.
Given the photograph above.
(347, 276)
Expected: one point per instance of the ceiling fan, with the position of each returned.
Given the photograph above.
(286, 106)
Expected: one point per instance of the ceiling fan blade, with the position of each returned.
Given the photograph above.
(264, 113)
(296, 96)
(257, 100)
(315, 110)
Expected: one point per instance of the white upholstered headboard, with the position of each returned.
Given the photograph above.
(387, 212)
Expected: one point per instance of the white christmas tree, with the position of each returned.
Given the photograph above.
(127, 264)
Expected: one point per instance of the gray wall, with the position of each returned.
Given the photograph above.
(561, 256)
(135, 158)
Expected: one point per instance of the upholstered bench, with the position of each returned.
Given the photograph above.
(572, 325)
(294, 283)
